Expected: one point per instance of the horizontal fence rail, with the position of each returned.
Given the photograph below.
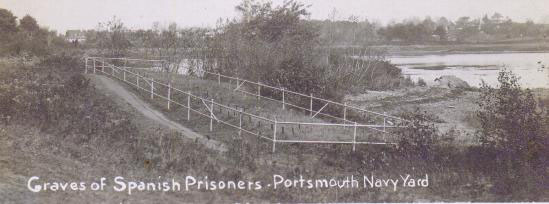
(261, 86)
(206, 106)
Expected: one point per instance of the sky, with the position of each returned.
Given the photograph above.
(61, 15)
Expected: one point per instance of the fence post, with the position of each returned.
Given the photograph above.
(219, 78)
(124, 72)
(384, 122)
(274, 135)
(258, 91)
(240, 122)
(354, 138)
(152, 88)
(311, 110)
(103, 65)
(189, 106)
(211, 114)
(283, 100)
(94, 66)
(345, 113)
(86, 66)
(169, 94)
(237, 82)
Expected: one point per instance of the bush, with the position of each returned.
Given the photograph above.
(421, 82)
(419, 138)
(512, 125)
(45, 93)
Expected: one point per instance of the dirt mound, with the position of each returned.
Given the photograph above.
(451, 82)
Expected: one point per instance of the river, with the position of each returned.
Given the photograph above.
(532, 68)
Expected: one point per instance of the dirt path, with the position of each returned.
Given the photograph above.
(113, 88)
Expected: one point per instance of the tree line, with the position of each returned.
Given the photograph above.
(496, 27)
(464, 29)
(25, 36)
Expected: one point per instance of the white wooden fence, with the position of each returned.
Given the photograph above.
(344, 107)
(155, 88)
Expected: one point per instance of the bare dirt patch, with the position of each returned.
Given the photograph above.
(451, 109)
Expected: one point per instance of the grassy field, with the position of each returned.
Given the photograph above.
(224, 94)
(85, 134)
(334, 159)
(307, 159)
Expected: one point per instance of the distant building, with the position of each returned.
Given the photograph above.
(75, 36)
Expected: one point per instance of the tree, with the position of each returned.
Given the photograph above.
(429, 25)
(442, 21)
(409, 32)
(8, 25)
(497, 17)
(28, 24)
(8, 28)
(441, 32)
(274, 45)
(278, 46)
(25, 38)
(169, 50)
(332, 30)
(112, 36)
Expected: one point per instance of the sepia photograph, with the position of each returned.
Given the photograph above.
(274, 101)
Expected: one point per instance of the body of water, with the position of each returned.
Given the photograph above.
(532, 68)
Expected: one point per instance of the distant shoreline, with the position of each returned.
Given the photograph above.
(483, 48)
(420, 53)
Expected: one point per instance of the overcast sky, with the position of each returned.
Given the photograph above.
(61, 15)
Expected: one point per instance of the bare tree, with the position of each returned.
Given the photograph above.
(169, 50)
(112, 37)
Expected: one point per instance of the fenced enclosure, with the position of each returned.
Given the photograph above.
(177, 95)
(339, 112)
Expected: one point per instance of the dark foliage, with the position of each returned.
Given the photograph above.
(419, 137)
(515, 127)
(25, 38)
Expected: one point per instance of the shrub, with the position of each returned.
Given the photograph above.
(512, 125)
(46, 92)
(421, 82)
(419, 137)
